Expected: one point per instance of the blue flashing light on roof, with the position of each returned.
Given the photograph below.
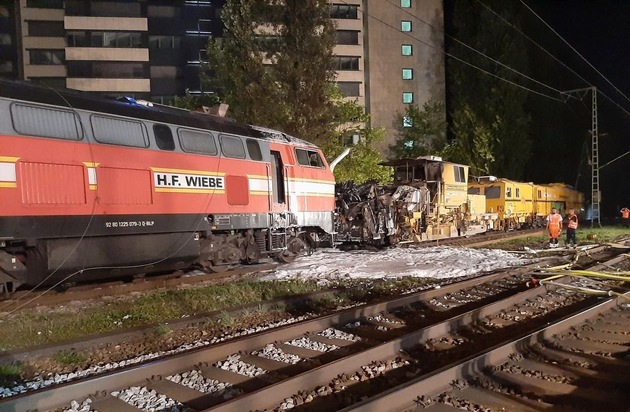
(131, 100)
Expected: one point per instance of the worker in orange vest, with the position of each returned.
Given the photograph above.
(625, 217)
(572, 224)
(554, 226)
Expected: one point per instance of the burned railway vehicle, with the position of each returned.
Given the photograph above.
(94, 188)
(427, 200)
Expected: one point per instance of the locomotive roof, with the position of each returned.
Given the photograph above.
(31, 92)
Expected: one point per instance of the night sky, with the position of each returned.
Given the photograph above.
(600, 31)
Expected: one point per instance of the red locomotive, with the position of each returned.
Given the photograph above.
(94, 188)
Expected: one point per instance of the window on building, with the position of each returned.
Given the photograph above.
(405, 25)
(116, 39)
(165, 42)
(6, 67)
(46, 29)
(77, 39)
(163, 137)
(346, 63)
(406, 50)
(46, 57)
(163, 11)
(407, 74)
(198, 3)
(407, 121)
(407, 97)
(350, 89)
(343, 11)
(460, 174)
(5, 39)
(201, 27)
(405, 4)
(205, 26)
(45, 4)
(350, 37)
(121, 70)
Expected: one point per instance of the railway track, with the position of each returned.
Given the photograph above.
(344, 360)
(24, 299)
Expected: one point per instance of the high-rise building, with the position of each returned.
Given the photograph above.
(388, 54)
(9, 63)
(148, 49)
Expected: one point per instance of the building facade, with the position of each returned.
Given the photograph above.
(388, 54)
(9, 62)
(149, 49)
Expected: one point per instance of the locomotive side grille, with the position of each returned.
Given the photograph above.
(278, 240)
(261, 240)
(51, 184)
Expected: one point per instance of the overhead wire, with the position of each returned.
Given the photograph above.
(573, 48)
(552, 56)
(453, 56)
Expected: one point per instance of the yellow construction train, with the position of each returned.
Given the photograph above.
(432, 199)
(520, 204)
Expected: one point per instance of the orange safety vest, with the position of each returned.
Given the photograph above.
(554, 225)
(554, 220)
(625, 213)
(573, 223)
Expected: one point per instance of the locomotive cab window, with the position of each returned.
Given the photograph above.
(474, 191)
(232, 146)
(309, 158)
(518, 193)
(493, 192)
(163, 137)
(508, 192)
(193, 141)
(253, 148)
(460, 175)
(45, 122)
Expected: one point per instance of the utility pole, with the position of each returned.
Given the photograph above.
(595, 192)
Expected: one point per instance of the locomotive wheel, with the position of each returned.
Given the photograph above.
(287, 256)
(216, 268)
(295, 248)
(252, 253)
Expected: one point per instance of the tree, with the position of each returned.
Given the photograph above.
(194, 102)
(292, 93)
(274, 67)
(423, 131)
(489, 124)
(362, 163)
